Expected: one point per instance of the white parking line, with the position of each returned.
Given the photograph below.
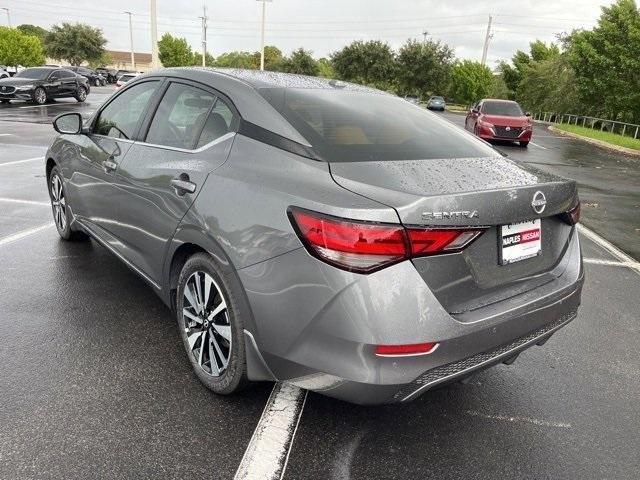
(25, 233)
(6, 134)
(267, 455)
(609, 247)
(506, 418)
(16, 162)
(539, 146)
(26, 202)
(612, 263)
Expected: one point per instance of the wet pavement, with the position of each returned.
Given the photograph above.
(94, 380)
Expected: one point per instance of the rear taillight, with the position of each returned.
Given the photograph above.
(405, 350)
(572, 216)
(365, 247)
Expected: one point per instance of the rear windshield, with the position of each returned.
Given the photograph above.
(508, 109)
(437, 98)
(344, 126)
(126, 78)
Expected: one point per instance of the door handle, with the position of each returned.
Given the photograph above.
(182, 184)
(109, 166)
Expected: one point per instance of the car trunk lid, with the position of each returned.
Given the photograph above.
(471, 192)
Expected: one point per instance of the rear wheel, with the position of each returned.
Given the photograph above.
(524, 144)
(59, 206)
(81, 94)
(209, 316)
(40, 96)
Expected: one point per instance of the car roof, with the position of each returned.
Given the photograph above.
(498, 100)
(268, 79)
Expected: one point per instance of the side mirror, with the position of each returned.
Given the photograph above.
(68, 123)
(527, 114)
(474, 110)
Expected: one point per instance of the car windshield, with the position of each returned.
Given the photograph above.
(126, 78)
(344, 126)
(507, 109)
(437, 98)
(34, 73)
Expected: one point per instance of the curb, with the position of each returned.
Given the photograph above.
(608, 146)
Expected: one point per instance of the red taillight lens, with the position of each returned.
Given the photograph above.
(434, 241)
(356, 246)
(405, 350)
(572, 216)
(365, 246)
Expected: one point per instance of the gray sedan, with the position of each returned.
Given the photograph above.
(319, 232)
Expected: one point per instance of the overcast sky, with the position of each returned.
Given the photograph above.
(322, 26)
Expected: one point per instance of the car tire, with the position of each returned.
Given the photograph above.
(226, 328)
(59, 206)
(524, 144)
(81, 94)
(40, 96)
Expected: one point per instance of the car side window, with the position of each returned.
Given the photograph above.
(66, 74)
(219, 122)
(180, 116)
(121, 116)
(55, 76)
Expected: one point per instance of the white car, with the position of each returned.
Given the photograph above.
(125, 78)
(3, 72)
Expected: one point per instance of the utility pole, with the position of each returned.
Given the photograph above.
(424, 37)
(133, 57)
(8, 16)
(486, 41)
(155, 62)
(264, 3)
(204, 34)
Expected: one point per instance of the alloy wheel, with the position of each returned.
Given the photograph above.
(40, 96)
(58, 203)
(206, 323)
(82, 94)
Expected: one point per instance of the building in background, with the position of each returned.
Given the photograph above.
(122, 61)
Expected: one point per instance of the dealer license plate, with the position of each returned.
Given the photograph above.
(520, 241)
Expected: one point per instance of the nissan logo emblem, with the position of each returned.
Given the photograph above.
(539, 202)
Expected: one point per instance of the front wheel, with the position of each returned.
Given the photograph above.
(209, 316)
(40, 96)
(81, 94)
(524, 144)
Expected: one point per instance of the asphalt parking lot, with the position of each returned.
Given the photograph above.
(94, 380)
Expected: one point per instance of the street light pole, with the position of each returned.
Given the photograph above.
(133, 57)
(8, 16)
(264, 4)
(488, 36)
(204, 34)
(155, 62)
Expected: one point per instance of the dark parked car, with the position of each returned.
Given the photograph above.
(3, 72)
(325, 234)
(108, 74)
(41, 84)
(120, 73)
(492, 119)
(436, 103)
(94, 77)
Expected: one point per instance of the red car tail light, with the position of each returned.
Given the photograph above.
(405, 350)
(365, 247)
(572, 217)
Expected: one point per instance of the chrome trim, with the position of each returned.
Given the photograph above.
(186, 150)
(126, 140)
(116, 253)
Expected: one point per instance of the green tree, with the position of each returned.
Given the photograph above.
(174, 51)
(300, 61)
(325, 68)
(272, 59)
(550, 85)
(104, 60)
(16, 48)
(607, 64)
(512, 73)
(424, 67)
(370, 63)
(197, 59)
(33, 30)
(470, 81)
(499, 88)
(76, 43)
(235, 60)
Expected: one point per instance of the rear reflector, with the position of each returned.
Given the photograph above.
(405, 350)
(365, 247)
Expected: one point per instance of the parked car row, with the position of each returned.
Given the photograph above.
(42, 84)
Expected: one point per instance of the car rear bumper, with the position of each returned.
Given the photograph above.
(317, 327)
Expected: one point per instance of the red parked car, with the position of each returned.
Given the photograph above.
(492, 119)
